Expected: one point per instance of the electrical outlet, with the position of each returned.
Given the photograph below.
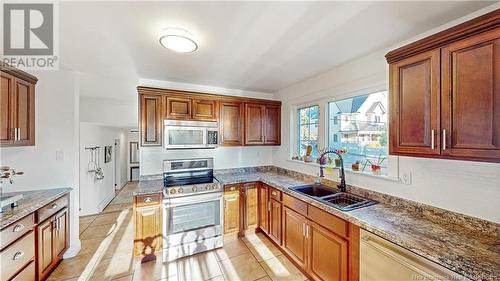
(59, 155)
(406, 178)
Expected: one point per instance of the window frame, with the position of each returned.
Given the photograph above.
(392, 160)
(298, 125)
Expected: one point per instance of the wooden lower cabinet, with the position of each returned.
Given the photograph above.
(294, 236)
(232, 212)
(52, 242)
(263, 207)
(327, 254)
(275, 221)
(250, 212)
(148, 230)
(323, 246)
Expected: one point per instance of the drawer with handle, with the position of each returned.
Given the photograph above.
(147, 199)
(52, 208)
(14, 231)
(27, 274)
(231, 187)
(275, 194)
(17, 255)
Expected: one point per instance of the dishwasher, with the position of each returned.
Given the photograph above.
(381, 260)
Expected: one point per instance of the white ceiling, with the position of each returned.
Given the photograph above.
(259, 46)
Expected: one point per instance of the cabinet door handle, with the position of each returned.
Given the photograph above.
(54, 206)
(18, 134)
(231, 199)
(444, 139)
(148, 200)
(18, 255)
(432, 139)
(18, 228)
(307, 231)
(274, 193)
(304, 229)
(269, 206)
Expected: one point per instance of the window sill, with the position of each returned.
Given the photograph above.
(349, 171)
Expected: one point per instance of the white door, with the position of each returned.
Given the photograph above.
(116, 164)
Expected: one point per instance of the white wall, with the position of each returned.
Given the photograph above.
(110, 112)
(151, 159)
(96, 194)
(471, 188)
(56, 130)
(224, 157)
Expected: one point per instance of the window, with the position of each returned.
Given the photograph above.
(308, 129)
(362, 124)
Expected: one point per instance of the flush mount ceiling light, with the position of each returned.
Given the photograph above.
(178, 40)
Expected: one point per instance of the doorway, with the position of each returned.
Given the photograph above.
(116, 165)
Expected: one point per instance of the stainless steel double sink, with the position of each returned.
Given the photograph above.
(340, 200)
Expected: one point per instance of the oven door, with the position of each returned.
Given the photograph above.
(178, 137)
(192, 219)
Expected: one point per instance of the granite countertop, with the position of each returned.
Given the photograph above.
(474, 254)
(32, 201)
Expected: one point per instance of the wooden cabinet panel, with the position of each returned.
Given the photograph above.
(6, 129)
(263, 207)
(178, 108)
(250, 213)
(61, 233)
(231, 123)
(16, 256)
(45, 247)
(231, 212)
(27, 274)
(414, 101)
(151, 121)
(275, 221)
(24, 112)
(205, 110)
(329, 221)
(272, 125)
(327, 255)
(471, 97)
(148, 232)
(254, 124)
(294, 236)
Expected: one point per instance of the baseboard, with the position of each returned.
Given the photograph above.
(106, 201)
(73, 249)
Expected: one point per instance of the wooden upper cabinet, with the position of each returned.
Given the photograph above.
(471, 97)
(294, 236)
(178, 108)
(231, 123)
(242, 121)
(150, 120)
(205, 110)
(17, 108)
(445, 93)
(414, 101)
(328, 254)
(6, 129)
(272, 125)
(254, 123)
(24, 112)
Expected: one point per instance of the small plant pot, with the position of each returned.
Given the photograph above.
(337, 163)
(355, 167)
(307, 158)
(376, 169)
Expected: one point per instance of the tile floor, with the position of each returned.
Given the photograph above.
(107, 254)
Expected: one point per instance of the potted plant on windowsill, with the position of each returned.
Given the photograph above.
(377, 166)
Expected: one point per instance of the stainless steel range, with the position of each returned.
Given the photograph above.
(192, 208)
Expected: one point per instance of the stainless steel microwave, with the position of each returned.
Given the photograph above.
(190, 134)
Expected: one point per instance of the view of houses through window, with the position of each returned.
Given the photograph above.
(359, 126)
(308, 129)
